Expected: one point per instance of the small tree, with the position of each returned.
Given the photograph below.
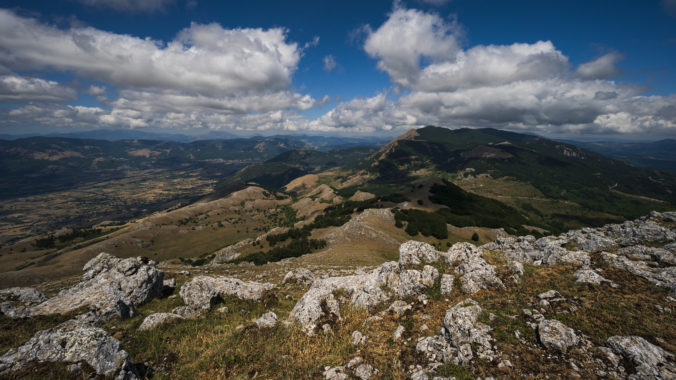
(475, 237)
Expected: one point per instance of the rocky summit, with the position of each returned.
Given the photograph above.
(589, 303)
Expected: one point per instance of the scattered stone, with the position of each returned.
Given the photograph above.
(549, 294)
(222, 309)
(589, 276)
(335, 373)
(399, 332)
(419, 375)
(358, 338)
(355, 362)
(157, 319)
(202, 291)
(650, 361)
(300, 276)
(186, 312)
(556, 336)
(72, 342)
(267, 320)
(184, 272)
(169, 284)
(399, 307)
(364, 371)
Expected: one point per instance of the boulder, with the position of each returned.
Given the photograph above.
(462, 329)
(202, 291)
(650, 361)
(416, 252)
(25, 295)
(72, 342)
(475, 272)
(589, 276)
(157, 319)
(110, 287)
(556, 336)
(267, 320)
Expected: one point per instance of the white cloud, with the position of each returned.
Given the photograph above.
(130, 5)
(329, 62)
(14, 88)
(524, 87)
(601, 68)
(405, 38)
(206, 59)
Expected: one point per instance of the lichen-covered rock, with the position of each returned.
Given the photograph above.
(446, 284)
(110, 286)
(335, 373)
(462, 329)
(300, 276)
(364, 371)
(267, 320)
(72, 342)
(157, 319)
(358, 338)
(26, 295)
(556, 336)
(416, 252)
(650, 361)
(589, 276)
(436, 349)
(410, 283)
(202, 291)
(475, 272)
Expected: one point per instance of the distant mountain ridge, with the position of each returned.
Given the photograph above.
(658, 154)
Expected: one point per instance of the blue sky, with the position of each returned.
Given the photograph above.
(561, 69)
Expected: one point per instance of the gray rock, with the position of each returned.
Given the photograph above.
(435, 349)
(446, 284)
(300, 276)
(650, 361)
(71, 342)
(556, 336)
(589, 276)
(399, 332)
(267, 320)
(429, 275)
(475, 272)
(549, 294)
(186, 312)
(335, 373)
(358, 338)
(25, 295)
(462, 329)
(202, 291)
(416, 252)
(410, 283)
(157, 319)
(110, 286)
(399, 307)
(14, 311)
(169, 283)
(515, 267)
(364, 371)
(419, 375)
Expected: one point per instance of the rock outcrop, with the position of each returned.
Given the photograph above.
(156, 319)
(650, 361)
(110, 287)
(202, 291)
(394, 280)
(72, 342)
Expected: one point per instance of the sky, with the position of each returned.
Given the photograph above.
(562, 69)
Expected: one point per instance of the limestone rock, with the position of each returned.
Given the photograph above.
(110, 286)
(399, 307)
(416, 252)
(72, 342)
(556, 336)
(399, 332)
(446, 284)
(650, 361)
(476, 273)
(267, 320)
(300, 276)
(435, 349)
(26, 295)
(462, 329)
(202, 291)
(358, 338)
(186, 312)
(157, 319)
(589, 276)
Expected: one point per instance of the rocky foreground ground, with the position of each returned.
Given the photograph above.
(596, 302)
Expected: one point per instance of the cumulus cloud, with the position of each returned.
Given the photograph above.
(14, 88)
(129, 5)
(329, 62)
(207, 77)
(601, 68)
(405, 38)
(206, 59)
(522, 86)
